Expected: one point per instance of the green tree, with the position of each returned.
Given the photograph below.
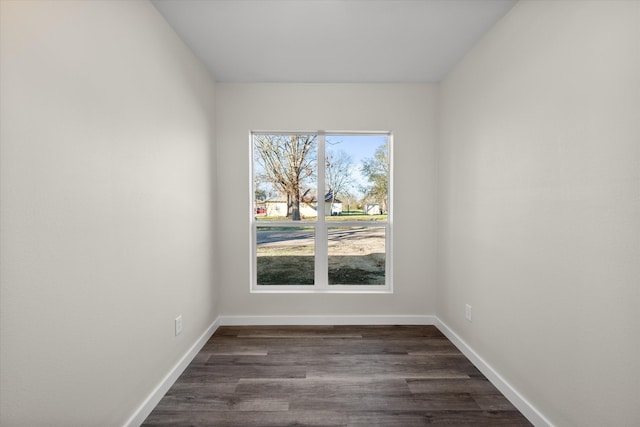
(260, 195)
(376, 170)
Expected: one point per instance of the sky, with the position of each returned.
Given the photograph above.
(359, 147)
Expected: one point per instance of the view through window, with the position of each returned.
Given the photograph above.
(321, 211)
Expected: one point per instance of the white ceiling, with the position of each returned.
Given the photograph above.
(331, 41)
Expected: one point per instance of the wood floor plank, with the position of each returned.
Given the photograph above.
(235, 372)
(460, 402)
(301, 388)
(493, 402)
(246, 419)
(438, 418)
(202, 398)
(332, 376)
(452, 385)
(203, 388)
(315, 346)
(448, 368)
(453, 361)
(387, 419)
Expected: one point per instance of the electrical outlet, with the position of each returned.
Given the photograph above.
(178, 325)
(467, 312)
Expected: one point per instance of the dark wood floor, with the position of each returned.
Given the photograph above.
(332, 376)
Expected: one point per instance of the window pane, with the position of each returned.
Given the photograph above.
(356, 177)
(285, 177)
(356, 255)
(285, 255)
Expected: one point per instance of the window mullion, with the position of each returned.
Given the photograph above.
(321, 262)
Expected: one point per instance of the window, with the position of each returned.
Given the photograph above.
(321, 212)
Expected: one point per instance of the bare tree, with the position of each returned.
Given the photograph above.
(288, 161)
(339, 173)
(350, 198)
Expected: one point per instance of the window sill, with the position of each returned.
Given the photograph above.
(322, 291)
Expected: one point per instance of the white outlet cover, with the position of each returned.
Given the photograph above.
(178, 325)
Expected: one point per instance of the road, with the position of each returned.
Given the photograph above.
(363, 236)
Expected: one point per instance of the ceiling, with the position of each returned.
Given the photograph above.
(331, 41)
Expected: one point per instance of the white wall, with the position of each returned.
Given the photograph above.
(539, 217)
(107, 201)
(407, 111)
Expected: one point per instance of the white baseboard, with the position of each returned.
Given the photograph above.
(523, 405)
(325, 320)
(161, 389)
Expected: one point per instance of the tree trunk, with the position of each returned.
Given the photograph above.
(295, 210)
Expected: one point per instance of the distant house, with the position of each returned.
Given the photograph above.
(334, 208)
(275, 208)
(308, 206)
(372, 209)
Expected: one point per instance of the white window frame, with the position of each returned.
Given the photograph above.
(321, 283)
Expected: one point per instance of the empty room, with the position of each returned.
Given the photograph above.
(166, 258)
